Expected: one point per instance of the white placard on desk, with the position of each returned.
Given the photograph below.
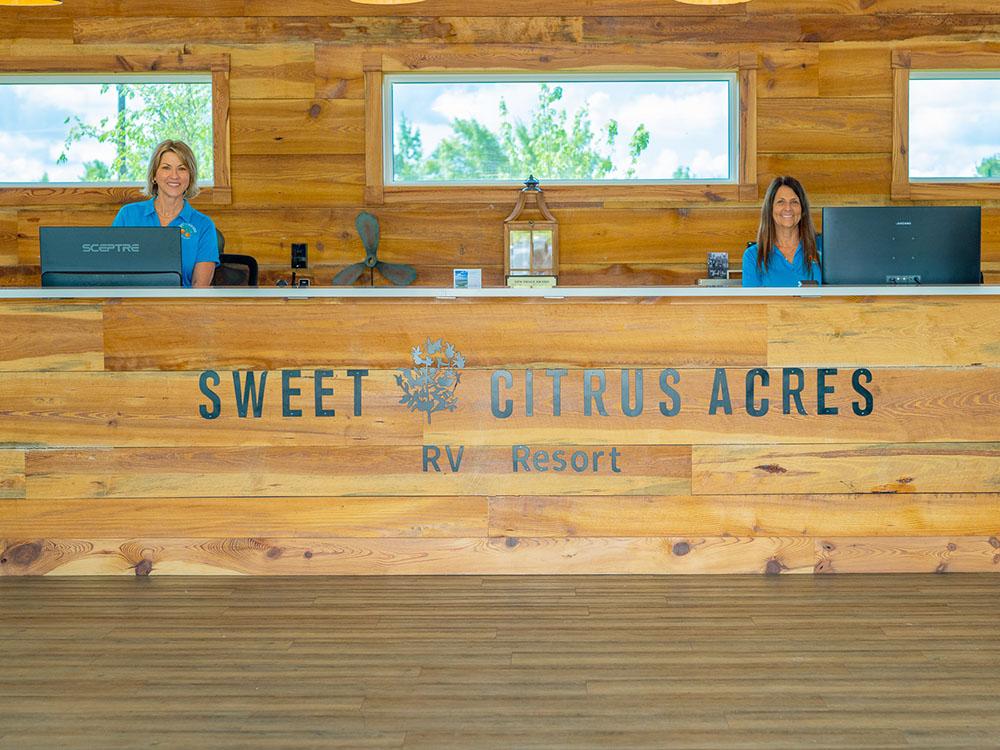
(467, 278)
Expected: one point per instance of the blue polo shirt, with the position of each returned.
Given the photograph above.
(779, 271)
(199, 243)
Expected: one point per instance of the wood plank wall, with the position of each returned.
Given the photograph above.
(824, 92)
(108, 466)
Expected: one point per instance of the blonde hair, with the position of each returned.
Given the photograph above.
(185, 154)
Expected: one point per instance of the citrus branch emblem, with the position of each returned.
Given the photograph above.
(429, 386)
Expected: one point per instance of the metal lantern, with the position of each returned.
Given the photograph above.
(531, 247)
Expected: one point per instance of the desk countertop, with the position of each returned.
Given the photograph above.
(492, 293)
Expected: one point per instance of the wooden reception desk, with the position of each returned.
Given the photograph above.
(659, 430)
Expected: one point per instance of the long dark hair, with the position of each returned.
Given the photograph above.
(766, 232)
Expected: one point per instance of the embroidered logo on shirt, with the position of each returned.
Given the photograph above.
(187, 230)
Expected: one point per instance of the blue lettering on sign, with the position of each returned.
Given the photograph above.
(720, 393)
(864, 408)
(524, 459)
(753, 409)
(216, 402)
(591, 394)
(432, 455)
(823, 390)
(319, 393)
(248, 394)
(788, 393)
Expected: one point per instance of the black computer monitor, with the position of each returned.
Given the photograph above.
(110, 256)
(901, 245)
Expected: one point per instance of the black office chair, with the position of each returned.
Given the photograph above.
(234, 269)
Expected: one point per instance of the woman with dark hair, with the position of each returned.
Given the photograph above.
(171, 180)
(787, 248)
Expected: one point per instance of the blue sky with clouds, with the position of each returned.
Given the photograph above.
(33, 129)
(954, 125)
(688, 121)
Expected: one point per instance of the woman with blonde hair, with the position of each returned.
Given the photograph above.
(787, 250)
(171, 180)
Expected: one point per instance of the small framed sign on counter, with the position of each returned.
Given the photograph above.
(467, 278)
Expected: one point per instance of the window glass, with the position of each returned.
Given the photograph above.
(448, 128)
(955, 126)
(68, 130)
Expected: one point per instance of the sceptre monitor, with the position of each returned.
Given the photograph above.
(901, 245)
(110, 256)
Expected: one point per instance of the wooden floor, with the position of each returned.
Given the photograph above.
(513, 662)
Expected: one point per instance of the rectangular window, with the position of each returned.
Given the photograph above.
(68, 130)
(954, 126)
(656, 128)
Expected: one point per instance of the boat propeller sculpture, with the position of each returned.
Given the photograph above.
(399, 274)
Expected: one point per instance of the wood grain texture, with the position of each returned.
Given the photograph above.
(877, 469)
(495, 662)
(273, 71)
(352, 472)
(885, 333)
(458, 8)
(557, 56)
(8, 237)
(788, 71)
(11, 475)
(46, 336)
(363, 517)
(298, 127)
(854, 71)
(784, 27)
(831, 515)
(70, 62)
(344, 29)
(910, 555)
(141, 335)
(352, 556)
(297, 179)
(152, 409)
(845, 179)
(830, 125)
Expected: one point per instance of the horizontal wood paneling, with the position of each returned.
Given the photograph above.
(343, 29)
(152, 409)
(11, 474)
(364, 517)
(346, 472)
(511, 516)
(46, 336)
(909, 555)
(884, 333)
(852, 179)
(734, 515)
(331, 556)
(692, 334)
(883, 468)
(8, 237)
(784, 27)
(298, 126)
(272, 71)
(99, 402)
(297, 179)
(832, 124)
(788, 71)
(854, 71)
